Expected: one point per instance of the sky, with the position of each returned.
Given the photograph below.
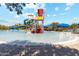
(53, 12)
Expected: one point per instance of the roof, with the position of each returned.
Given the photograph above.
(63, 25)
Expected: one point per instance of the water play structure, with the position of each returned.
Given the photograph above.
(39, 20)
(35, 24)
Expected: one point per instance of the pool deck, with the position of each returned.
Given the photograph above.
(74, 44)
(71, 44)
(64, 49)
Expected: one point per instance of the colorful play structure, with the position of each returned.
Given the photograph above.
(37, 24)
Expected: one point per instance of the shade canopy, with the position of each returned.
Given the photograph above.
(63, 25)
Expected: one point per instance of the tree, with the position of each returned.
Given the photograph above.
(18, 7)
(3, 27)
(55, 25)
(74, 26)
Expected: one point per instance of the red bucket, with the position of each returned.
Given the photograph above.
(40, 12)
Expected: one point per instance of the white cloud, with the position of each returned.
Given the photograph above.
(11, 12)
(41, 6)
(10, 22)
(17, 16)
(54, 15)
(38, 6)
(67, 8)
(14, 21)
(25, 15)
(69, 4)
(48, 15)
(62, 13)
(56, 9)
(30, 5)
(74, 20)
(3, 4)
(35, 6)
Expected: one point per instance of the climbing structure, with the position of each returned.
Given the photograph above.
(39, 21)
